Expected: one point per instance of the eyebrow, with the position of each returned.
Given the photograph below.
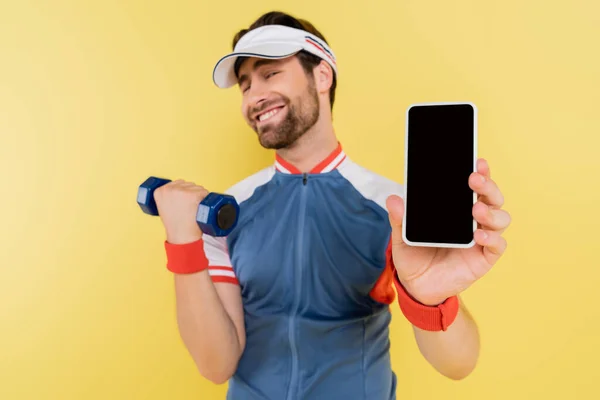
(259, 63)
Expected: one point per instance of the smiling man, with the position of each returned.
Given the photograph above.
(295, 302)
(280, 121)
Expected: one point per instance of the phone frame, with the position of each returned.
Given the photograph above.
(406, 183)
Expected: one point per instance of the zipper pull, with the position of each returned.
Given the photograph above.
(304, 178)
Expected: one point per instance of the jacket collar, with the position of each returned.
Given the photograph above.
(331, 162)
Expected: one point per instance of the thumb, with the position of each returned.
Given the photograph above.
(395, 206)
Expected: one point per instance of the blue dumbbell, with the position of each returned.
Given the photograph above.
(217, 214)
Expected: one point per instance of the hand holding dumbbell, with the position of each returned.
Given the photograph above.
(187, 210)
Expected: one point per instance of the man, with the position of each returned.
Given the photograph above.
(295, 302)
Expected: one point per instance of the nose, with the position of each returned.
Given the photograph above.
(257, 93)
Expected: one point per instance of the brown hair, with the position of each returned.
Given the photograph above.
(307, 60)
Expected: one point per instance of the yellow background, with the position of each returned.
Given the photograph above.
(96, 96)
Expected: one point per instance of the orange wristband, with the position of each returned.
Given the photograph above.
(186, 258)
(428, 318)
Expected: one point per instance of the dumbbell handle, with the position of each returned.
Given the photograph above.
(217, 213)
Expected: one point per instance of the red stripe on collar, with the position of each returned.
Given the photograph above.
(331, 162)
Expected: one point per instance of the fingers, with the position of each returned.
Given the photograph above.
(395, 207)
(483, 168)
(187, 186)
(486, 188)
(490, 218)
(494, 245)
(182, 183)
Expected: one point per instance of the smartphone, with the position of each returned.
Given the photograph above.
(440, 155)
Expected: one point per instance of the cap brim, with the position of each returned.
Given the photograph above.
(224, 74)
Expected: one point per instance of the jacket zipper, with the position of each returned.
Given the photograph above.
(298, 281)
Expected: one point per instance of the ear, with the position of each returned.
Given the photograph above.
(323, 77)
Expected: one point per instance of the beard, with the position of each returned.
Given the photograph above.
(300, 116)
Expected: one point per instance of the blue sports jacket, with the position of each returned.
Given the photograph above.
(311, 255)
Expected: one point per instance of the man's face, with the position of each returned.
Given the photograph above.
(279, 101)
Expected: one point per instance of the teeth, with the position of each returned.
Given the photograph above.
(268, 115)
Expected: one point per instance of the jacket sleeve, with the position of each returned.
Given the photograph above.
(220, 267)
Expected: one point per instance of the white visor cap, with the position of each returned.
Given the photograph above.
(270, 41)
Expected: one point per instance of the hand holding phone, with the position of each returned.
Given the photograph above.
(440, 155)
(451, 201)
